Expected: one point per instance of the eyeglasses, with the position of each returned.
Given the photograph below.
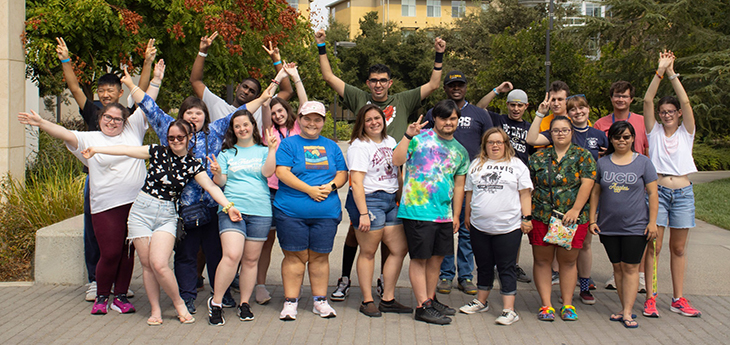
(495, 143)
(625, 137)
(667, 112)
(621, 96)
(173, 138)
(109, 118)
(560, 131)
(381, 81)
(573, 96)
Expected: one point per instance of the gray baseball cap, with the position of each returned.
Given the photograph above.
(517, 96)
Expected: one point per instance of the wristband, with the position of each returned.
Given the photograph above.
(658, 75)
(298, 81)
(495, 91)
(202, 54)
(409, 137)
(437, 68)
(136, 88)
(322, 48)
(439, 57)
(274, 81)
(673, 76)
(277, 62)
(155, 85)
(228, 207)
(364, 214)
(539, 114)
(66, 60)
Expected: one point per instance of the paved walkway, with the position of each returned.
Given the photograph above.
(58, 314)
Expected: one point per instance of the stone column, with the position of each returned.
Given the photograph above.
(12, 88)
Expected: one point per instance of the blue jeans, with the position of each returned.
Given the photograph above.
(464, 255)
(91, 247)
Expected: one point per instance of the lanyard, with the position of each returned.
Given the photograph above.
(613, 118)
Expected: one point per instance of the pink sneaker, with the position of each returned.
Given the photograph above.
(100, 304)
(682, 306)
(122, 305)
(650, 308)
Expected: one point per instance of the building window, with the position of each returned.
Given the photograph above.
(458, 8)
(593, 10)
(293, 4)
(433, 8)
(408, 8)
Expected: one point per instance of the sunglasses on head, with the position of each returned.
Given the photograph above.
(573, 96)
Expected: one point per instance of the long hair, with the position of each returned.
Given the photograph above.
(509, 151)
(195, 102)
(230, 139)
(618, 128)
(187, 129)
(290, 116)
(358, 130)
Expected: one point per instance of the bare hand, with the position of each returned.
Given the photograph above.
(206, 41)
(320, 36)
(467, 223)
(544, 107)
(272, 139)
(159, 73)
(269, 92)
(570, 217)
(61, 49)
(318, 194)
(504, 87)
(31, 118)
(456, 224)
(151, 52)
(651, 232)
(127, 79)
(89, 152)
(364, 223)
(439, 45)
(594, 229)
(272, 51)
(666, 59)
(526, 227)
(291, 70)
(415, 127)
(234, 214)
(215, 168)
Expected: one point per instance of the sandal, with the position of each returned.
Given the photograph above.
(619, 317)
(185, 320)
(630, 323)
(154, 321)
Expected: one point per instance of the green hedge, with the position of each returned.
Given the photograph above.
(711, 157)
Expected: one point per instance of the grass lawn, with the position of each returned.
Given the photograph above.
(712, 202)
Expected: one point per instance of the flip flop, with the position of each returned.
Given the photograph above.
(154, 321)
(185, 320)
(619, 317)
(630, 323)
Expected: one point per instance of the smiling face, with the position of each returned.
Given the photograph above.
(622, 142)
(561, 131)
(246, 91)
(109, 93)
(456, 91)
(243, 128)
(179, 147)
(516, 110)
(579, 115)
(279, 115)
(379, 83)
(196, 116)
(374, 124)
(621, 100)
(669, 114)
(557, 105)
(311, 125)
(111, 122)
(445, 127)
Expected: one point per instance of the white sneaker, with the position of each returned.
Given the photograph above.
(262, 295)
(130, 293)
(508, 317)
(323, 309)
(289, 312)
(343, 288)
(474, 307)
(642, 283)
(90, 292)
(611, 284)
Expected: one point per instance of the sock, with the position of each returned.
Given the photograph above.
(348, 257)
(584, 283)
(387, 302)
(293, 300)
(675, 299)
(319, 298)
(219, 305)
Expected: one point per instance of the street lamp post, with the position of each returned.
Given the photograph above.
(547, 47)
(344, 44)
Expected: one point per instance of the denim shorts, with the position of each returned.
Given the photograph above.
(676, 207)
(298, 234)
(253, 228)
(149, 214)
(381, 206)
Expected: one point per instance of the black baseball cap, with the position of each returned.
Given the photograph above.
(454, 76)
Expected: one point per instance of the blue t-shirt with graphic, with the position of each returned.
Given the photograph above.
(246, 186)
(592, 140)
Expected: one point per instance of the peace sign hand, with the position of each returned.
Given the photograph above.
(272, 51)
(61, 49)
(206, 41)
(544, 107)
(415, 127)
(151, 51)
(272, 139)
(215, 168)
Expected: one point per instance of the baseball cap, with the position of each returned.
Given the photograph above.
(517, 96)
(454, 76)
(312, 107)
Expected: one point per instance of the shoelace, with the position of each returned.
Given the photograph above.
(123, 299)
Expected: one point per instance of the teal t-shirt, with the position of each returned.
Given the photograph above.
(428, 187)
(246, 186)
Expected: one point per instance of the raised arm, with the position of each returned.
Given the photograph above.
(269, 167)
(665, 59)
(141, 152)
(68, 73)
(324, 65)
(293, 72)
(154, 88)
(286, 90)
(688, 117)
(400, 153)
(54, 130)
(149, 58)
(435, 81)
(196, 74)
(266, 95)
(534, 137)
(502, 88)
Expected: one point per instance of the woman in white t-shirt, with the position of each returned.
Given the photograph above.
(371, 204)
(498, 211)
(670, 150)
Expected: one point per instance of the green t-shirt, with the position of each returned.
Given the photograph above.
(396, 108)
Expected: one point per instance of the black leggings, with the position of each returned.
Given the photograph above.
(500, 250)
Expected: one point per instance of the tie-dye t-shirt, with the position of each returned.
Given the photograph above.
(428, 186)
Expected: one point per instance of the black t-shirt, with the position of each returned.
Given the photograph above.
(474, 121)
(169, 173)
(517, 131)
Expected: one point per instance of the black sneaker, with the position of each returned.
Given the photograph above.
(215, 314)
(244, 312)
(443, 308)
(427, 313)
(521, 275)
(394, 307)
(228, 301)
(190, 304)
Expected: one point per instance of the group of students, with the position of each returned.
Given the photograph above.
(255, 170)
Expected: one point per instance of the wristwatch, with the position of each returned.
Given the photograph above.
(527, 218)
(334, 186)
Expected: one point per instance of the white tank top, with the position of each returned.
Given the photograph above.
(671, 155)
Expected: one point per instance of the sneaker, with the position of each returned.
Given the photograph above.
(100, 304)
(444, 286)
(215, 314)
(642, 283)
(122, 305)
(262, 295)
(443, 308)
(427, 313)
(130, 293)
(567, 313)
(521, 275)
(474, 307)
(611, 284)
(201, 284)
(323, 309)
(244, 312)
(90, 292)
(289, 312)
(556, 278)
(228, 301)
(682, 306)
(394, 307)
(650, 308)
(190, 304)
(587, 297)
(343, 288)
(591, 284)
(508, 317)
(546, 314)
(379, 286)
(370, 309)
(467, 287)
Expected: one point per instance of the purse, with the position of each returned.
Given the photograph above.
(558, 234)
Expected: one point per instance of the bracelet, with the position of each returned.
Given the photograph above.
(364, 214)
(228, 207)
(298, 81)
(274, 81)
(673, 76)
(65, 60)
(155, 85)
(658, 75)
(277, 62)
(136, 88)
(495, 91)
(322, 48)
(202, 54)
(539, 114)
(439, 57)
(409, 137)
(437, 68)
(591, 223)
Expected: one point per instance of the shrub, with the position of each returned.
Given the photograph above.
(344, 129)
(710, 157)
